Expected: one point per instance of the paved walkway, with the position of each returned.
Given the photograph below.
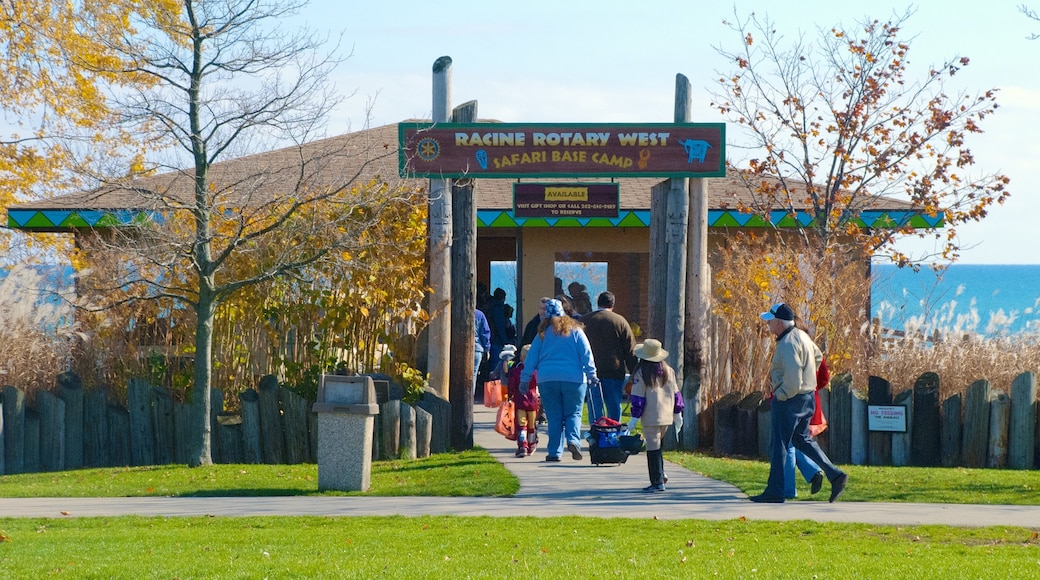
(549, 489)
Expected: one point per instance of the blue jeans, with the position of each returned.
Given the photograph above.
(478, 357)
(562, 403)
(806, 466)
(791, 428)
(613, 390)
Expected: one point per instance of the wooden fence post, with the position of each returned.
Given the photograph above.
(119, 446)
(950, 432)
(142, 433)
(95, 427)
(252, 446)
(52, 431)
(163, 423)
(70, 390)
(858, 432)
(901, 442)
(747, 424)
(390, 433)
(407, 435)
(423, 432)
(297, 441)
(440, 414)
(999, 413)
(725, 413)
(14, 426)
(1021, 432)
(765, 426)
(824, 439)
(840, 420)
(32, 441)
(925, 441)
(271, 421)
(229, 437)
(976, 424)
(879, 443)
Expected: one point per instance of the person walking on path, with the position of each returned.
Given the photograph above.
(481, 345)
(612, 344)
(792, 377)
(562, 357)
(496, 315)
(526, 401)
(657, 403)
(810, 471)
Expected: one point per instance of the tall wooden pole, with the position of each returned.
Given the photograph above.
(463, 298)
(440, 245)
(698, 304)
(678, 215)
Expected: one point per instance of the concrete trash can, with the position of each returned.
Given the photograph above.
(346, 409)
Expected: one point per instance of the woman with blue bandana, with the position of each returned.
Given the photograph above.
(562, 357)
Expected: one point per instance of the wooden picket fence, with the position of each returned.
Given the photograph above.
(983, 428)
(71, 428)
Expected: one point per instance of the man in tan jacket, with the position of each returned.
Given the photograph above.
(793, 380)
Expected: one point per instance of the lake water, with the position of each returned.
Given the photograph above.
(986, 299)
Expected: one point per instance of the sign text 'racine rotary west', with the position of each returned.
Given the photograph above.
(512, 150)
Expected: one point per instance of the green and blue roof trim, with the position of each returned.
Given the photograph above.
(54, 219)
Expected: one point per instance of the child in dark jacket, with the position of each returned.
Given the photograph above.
(526, 400)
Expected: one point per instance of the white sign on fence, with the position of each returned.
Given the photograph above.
(886, 418)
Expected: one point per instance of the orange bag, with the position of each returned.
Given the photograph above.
(505, 422)
(492, 393)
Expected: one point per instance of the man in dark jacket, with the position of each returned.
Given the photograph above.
(612, 344)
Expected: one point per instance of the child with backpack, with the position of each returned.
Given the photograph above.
(526, 401)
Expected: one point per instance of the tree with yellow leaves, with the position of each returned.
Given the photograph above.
(228, 81)
(52, 103)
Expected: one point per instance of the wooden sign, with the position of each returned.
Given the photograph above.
(511, 150)
(537, 200)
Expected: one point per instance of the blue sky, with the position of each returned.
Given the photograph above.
(616, 61)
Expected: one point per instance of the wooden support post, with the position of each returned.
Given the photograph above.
(658, 287)
(698, 305)
(463, 300)
(678, 217)
(439, 227)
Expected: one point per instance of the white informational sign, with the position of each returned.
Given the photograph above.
(886, 418)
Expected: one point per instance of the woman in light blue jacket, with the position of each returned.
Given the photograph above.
(562, 357)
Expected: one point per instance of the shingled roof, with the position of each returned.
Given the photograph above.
(359, 157)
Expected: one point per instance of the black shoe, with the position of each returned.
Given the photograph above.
(816, 483)
(552, 459)
(763, 498)
(654, 488)
(575, 452)
(838, 486)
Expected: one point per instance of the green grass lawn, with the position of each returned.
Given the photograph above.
(884, 484)
(483, 547)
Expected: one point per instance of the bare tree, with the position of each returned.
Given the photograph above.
(832, 127)
(230, 81)
(1032, 14)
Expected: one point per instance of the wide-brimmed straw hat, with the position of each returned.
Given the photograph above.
(651, 351)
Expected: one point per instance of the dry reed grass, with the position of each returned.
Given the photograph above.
(37, 330)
